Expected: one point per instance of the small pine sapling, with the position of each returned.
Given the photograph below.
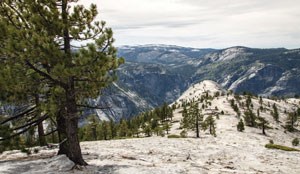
(295, 142)
(240, 126)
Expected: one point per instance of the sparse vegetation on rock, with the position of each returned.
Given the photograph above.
(210, 124)
(295, 142)
(280, 147)
(240, 126)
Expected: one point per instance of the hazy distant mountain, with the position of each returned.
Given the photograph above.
(160, 73)
(163, 54)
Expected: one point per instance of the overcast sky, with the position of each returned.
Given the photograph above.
(203, 23)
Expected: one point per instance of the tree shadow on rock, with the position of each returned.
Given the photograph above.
(110, 169)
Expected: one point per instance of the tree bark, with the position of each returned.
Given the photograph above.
(42, 139)
(61, 129)
(263, 129)
(197, 126)
(71, 119)
(94, 131)
(74, 150)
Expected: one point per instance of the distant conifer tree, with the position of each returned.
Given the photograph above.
(275, 113)
(240, 126)
(192, 118)
(250, 118)
(209, 123)
(291, 120)
(263, 124)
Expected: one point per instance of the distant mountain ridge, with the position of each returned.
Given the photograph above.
(161, 73)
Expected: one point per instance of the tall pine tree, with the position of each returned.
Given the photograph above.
(192, 118)
(37, 38)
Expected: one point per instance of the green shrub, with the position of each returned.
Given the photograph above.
(280, 147)
(161, 133)
(36, 150)
(271, 142)
(295, 142)
(2, 149)
(240, 126)
(27, 151)
(174, 136)
(183, 134)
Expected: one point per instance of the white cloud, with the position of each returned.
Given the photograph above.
(203, 23)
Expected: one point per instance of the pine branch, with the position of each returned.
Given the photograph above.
(12, 22)
(33, 122)
(18, 115)
(32, 118)
(53, 121)
(93, 107)
(46, 75)
(21, 132)
(106, 46)
(42, 15)
(18, 15)
(88, 80)
(49, 133)
(79, 47)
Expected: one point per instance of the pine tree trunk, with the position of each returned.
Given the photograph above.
(105, 136)
(41, 133)
(197, 126)
(94, 132)
(52, 135)
(42, 139)
(71, 119)
(61, 129)
(74, 151)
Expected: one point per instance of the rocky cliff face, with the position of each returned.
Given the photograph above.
(260, 71)
(155, 74)
(120, 103)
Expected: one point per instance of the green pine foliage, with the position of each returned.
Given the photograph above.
(275, 113)
(249, 101)
(7, 144)
(192, 118)
(37, 51)
(235, 107)
(280, 147)
(250, 118)
(90, 131)
(210, 124)
(295, 142)
(174, 136)
(260, 100)
(292, 118)
(263, 124)
(147, 130)
(183, 134)
(156, 122)
(167, 126)
(123, 128)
